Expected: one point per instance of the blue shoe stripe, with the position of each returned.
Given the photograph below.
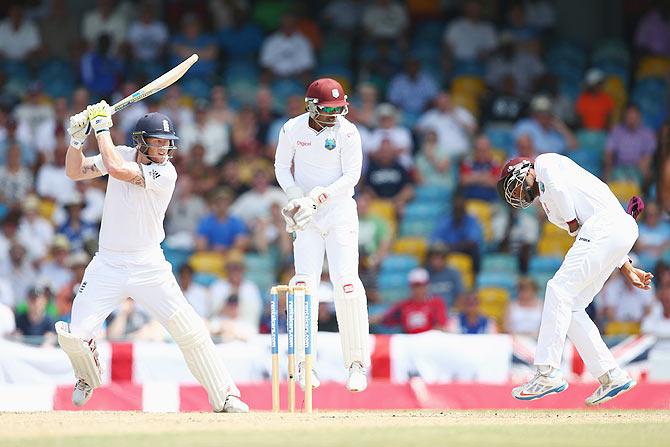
(558, 389)
(615, 391)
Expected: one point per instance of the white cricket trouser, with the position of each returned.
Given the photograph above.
(111, 277)
(335, 233)
(603, 241)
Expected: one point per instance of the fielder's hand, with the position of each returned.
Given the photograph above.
(79, 129)
(288, 213)
(100, 116)
(637, 277)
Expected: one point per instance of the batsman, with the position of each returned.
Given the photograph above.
(318, 162)
(130, 261)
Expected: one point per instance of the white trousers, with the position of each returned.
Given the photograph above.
(335, 233)
(603, 241)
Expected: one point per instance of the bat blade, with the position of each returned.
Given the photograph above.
(158, 84)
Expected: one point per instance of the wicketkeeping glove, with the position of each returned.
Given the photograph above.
(100, 116)
(79, 129)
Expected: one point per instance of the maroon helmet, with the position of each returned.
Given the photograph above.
(512, 186)
(325, 101)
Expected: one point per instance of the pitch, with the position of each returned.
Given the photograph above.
(367, 428)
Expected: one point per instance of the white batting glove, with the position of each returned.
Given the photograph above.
(79, 129)
(100, 116)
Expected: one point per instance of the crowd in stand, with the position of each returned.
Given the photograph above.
(441, 92)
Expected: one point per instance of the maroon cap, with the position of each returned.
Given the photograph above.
(326, 92)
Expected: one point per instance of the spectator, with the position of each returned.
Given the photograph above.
(541, 14)
(480, 172)
(196, 294)
(19, 272)
(295, 105)
(657, 322)
(8, 232)
(6, 297)
(518, 26)
(16, 180)
(147, 36)
(131, 322)
(7, 321)
(454, 125)
(265, 113)
(468, 37)
(654, 238)
(374, 234)
(255, 204)
(59, 31)
(219, 109)
(420, 312)
(127, 118)
(191, 40)
(445, 281)
(342, 17)
(51, 127)
(100, 71)
(364, 107)
(184, 213)
(35, 232)
(19, 37)
(249, 301)
(653, 31)
(524, 66)
(104, 20)
(228, 323)
(242, 40)
(32, 113)
(173, 106)
(77, 263)
(433, 162)
(621, 301)
(387, 178)
(594, 105)
(524, 314)
(214, 137)
(398, 136)
(36, 322)
(55, 272)
(205, 177)
(517, 231)
(51, 182)
(413, 89)
(524, 147)
(505, 106)
(460, 232)
(10, 135)
(630, 147)
(385, 20)
(549, 133)
(79, 232)
(471, 320)
(219, 231)
(79, 101)
(287, 53)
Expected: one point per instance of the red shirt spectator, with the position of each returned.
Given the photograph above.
(420, 312)
(480, 173)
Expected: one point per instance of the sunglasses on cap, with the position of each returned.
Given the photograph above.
(333, 110)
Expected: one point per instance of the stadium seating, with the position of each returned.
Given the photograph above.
(624, 190)
(482, 211)
(386, 211)
(416, 227)
(208, 262)
(412, 246)
(177, 257)
(544, 264)
(493, 302)
(398, 264)
(500, 262)
(462, 263)
(502, 280)
(622, 328)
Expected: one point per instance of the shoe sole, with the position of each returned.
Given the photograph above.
(556, 390)
(626, 387)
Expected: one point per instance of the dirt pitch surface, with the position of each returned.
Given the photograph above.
(488, 428)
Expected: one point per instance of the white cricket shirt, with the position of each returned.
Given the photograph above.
(331, 158)
(568, 191)
(132, 217)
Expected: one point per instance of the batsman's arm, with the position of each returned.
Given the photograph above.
(79, 167)
(117, 167)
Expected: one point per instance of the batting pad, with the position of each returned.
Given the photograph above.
(352, 321)
(82, 354)
(189, 332)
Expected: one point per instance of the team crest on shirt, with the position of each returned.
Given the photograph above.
(541, 187)
(330, 144)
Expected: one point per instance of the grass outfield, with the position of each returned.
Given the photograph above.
(488, 428)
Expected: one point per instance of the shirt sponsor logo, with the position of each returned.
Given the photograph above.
(348, 288)
(304, 143)
(584, 239)
(330, 144)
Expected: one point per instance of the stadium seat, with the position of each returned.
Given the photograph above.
(493, 302)
(653, 67)
(432, 193)
(500, 262)
(612, 51)
(412, 246)
(554, 246)
(541, 279)
(501, 137)
(622, 328)
(393, 286)
(462, 263)
(400, 264)
(204, 279)
(196, 88)
(616, 88)
(624, 190)
(416, 227)
(592, 141)
(482, 211)
(544, 264)
(259, 263)
(264, 280)
(471, 86)
(503, 280)
(466, 101)
(208, 262)
(177, 257)
(423, 210)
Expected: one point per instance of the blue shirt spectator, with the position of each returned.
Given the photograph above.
(460, 232)
(549, 134)
(100, 71)
(444, 281)
(242, 40)
(193, 40)
(413, 89)
(219, 231)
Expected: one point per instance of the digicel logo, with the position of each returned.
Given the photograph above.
(304, 143)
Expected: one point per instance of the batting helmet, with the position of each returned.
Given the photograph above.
(512, 186)
(154, 125)
(325, 100)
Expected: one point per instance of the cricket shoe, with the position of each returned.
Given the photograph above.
(612, 384)
(82, 393)
(234, 404)
(541, 385)
(301, 377)
(358, 379)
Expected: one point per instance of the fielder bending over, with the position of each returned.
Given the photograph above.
(581, 204)
(324, 149)
(130, 261)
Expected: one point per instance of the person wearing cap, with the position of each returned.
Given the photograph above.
(130, 261)
(388, 130)
(594, 105)
(36, 322)
(250, 302)
(318, 163)
(579, 203)
(548, 132)
(420, 312)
